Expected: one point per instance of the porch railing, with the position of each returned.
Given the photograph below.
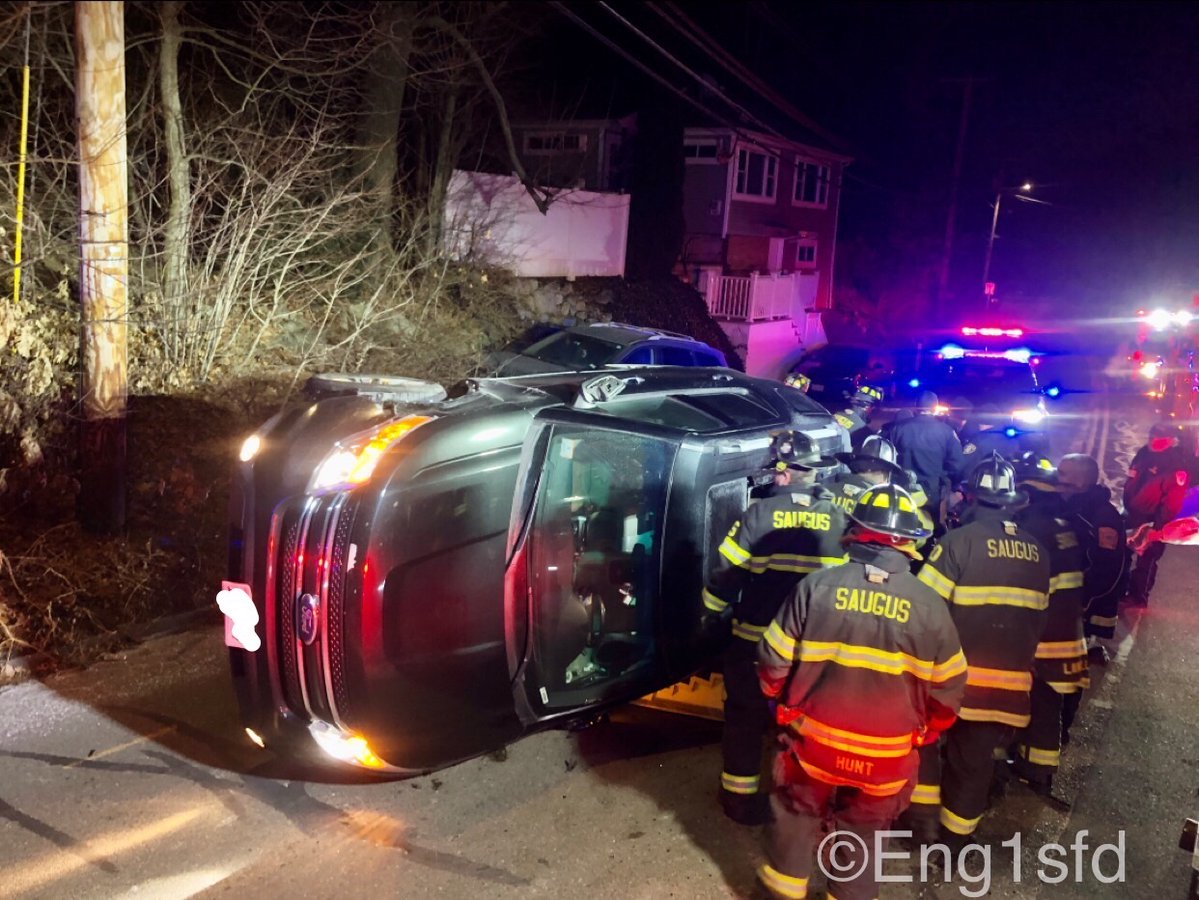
(755, 298)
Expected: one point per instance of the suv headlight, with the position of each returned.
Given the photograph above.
(353, 462)
(1032, 416)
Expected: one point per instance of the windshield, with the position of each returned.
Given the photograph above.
(573, 351)
(594, 559)
(979, 381)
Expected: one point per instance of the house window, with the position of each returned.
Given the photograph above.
(757, 175)
(811, 183)
(805, 254)
(700, 150)
(548, 142)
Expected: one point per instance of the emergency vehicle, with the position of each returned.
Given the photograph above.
(413, 583)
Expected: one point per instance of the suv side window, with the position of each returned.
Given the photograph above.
(639, 356)
(707, 358)
(673, 355)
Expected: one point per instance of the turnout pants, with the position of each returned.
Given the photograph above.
(746, 720)
(921, 817)
(802, 806)
(967, 770)
(1101, 617)
(1040, 744)
(1144, 572)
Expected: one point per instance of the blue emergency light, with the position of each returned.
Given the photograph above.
(914, 383)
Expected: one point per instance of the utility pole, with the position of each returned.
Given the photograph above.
(104, 261)
(951, 216)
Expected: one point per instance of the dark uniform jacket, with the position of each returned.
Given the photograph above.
(1061, 660)
(995, 575)
(794, 530)
(1153, 493)
(982, 443)
(865, 662)
(929, 447)
(1105, 576)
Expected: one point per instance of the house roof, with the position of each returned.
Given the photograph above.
(772, 142)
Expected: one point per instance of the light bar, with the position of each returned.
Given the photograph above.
(1020, 354)
(972, 331)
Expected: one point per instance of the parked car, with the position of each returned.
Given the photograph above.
(412, 583)
(591, 347)
(836, 370)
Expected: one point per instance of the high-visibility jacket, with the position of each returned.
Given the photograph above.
(866, 665)
(1061, 660)
(794, 530)
(995, 575)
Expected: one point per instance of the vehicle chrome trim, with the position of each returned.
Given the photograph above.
(327, 549)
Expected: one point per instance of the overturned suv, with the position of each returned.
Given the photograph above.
(412, 583)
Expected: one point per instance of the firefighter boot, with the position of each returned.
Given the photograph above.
(746, 809)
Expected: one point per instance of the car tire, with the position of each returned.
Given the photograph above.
(382, 387)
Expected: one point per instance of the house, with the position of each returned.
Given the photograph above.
(588, 154)
(761, 226)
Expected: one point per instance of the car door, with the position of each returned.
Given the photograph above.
(584, 580)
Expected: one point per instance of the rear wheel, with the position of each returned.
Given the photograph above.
(382, 387)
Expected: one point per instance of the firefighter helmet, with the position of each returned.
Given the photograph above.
(866, 396)
(889, 509)
(799, 381)
(795, 450)
(993, 482)
(1036, 472)
(877, 454)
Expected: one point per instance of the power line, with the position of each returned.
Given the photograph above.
(703, 81)
(701, 39)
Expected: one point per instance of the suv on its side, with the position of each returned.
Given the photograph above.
(415, 582)
(590, 347)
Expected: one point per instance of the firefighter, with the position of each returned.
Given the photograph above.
(930, 447)
(1105, 577)
(856, 416)
(865, 665)
(1060, 668)
(1158, 477)
(871, 464)
(995, 576)
(795, 529)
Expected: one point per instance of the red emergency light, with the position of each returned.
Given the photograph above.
(972, 331)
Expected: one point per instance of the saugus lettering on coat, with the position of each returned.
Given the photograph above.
(802, 518)
(878, 603)
(1008, 548)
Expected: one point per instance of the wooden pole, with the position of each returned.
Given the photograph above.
(104, 261)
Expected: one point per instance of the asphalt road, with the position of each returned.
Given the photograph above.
(133, 779)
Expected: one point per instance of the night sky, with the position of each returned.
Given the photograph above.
(1096, 104)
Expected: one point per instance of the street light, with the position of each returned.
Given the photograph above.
(1024, 188)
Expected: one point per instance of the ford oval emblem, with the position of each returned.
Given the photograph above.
(307, 618)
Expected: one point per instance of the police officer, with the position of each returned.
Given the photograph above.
(995, 576)
(930, 447)
(865, 665)
(794, 530)
(856, 416)
(1060, 668)
(987, 434)
(1108, 558)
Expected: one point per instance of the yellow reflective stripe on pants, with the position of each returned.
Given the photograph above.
(740, 784)
(957, 824)
(999, 679)
(936, 581)
(994, 715)
(1061, 649)
(1038, 756)
(714, 603)
(1104, 621)
(999, 596)
(748, 632)
(927, 793)
(783, 885)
